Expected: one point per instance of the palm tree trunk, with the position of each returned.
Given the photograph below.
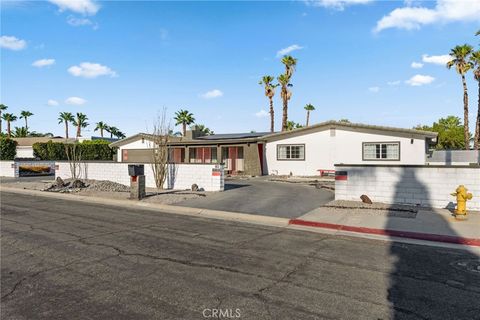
(466, 132)
(79, 131)
(272, 116)
(66, 129)
(184, 129)
(285, 113)
(476, 139)
(26, 124)
(8, 128)
(101, 132)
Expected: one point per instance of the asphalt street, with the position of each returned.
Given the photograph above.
(72, 260)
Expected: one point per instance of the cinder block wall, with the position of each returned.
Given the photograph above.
(180, 176)
(7, 169)
(429, 186)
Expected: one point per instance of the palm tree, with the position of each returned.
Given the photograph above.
(284, 80)
(101, 126)
(80, 122)
(2, 108)
(66, 117)
(266, 82)
(25, 114)
(290, 64)
(309, 107)
(460, 56)
(293, 125)
(285, 93)
(184, 118)
(203, 128)
(9, 117)
(475, 60)
(21, 132)
(174, 133)
(120, 135)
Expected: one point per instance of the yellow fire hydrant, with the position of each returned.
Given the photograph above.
(462, 197)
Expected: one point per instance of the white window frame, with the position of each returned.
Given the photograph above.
(382, 146)
(289, 153)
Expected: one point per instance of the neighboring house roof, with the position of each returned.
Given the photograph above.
(211, 139)
(265, 136)
(29, 141)
(350, 126)
(233, 136)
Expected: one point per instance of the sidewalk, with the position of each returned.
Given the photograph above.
(431, 225)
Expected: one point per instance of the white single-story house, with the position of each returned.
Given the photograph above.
(307, 150)
(302, 152)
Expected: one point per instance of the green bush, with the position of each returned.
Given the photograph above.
(8, 149)
(90, 150)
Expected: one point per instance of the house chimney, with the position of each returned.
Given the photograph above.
(193, 133)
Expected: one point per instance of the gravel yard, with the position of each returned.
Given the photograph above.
(357, 207)
(103, 189)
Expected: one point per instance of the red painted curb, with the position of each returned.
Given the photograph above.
(387, 232)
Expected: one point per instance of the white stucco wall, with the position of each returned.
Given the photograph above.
(7, 169)
(181, 176)
(417, 185)
(24, 152)
(323, 151)
(137, 144)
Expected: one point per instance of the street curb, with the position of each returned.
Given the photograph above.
(164, 208)
(388, 232)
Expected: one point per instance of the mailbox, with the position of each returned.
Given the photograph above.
(135, 170)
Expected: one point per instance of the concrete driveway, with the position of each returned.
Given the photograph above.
(257, 196)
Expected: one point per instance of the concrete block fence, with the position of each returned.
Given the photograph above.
(12, 168)
(180, 176)
(429, 186)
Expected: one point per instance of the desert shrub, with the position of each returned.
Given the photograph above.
(8, 149)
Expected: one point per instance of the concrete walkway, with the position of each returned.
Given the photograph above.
(434, 224)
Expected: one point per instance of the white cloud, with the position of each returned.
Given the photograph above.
(85, 7)
(394, 83)
(79, 22)
(75, 101)
(374, 89)
(416, 65)
(441, 60)
(410, 18)
(288, 49)
(12, 43)
(261, 114)
(335, 4)
(91, 70)
(419, 80)
(215, 93)
(52, 103)
(43, 63)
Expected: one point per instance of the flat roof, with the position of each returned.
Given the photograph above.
(223, 136)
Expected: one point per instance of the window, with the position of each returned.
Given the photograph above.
(381, 151)
(291, 152)
(203, 155)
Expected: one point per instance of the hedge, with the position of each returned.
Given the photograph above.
(8, 149)
(91, 150)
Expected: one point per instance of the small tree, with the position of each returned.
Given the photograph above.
(159, 146)
(74, 158)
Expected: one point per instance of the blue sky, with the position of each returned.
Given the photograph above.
(122, 62)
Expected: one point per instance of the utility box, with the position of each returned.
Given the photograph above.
(136, 170)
